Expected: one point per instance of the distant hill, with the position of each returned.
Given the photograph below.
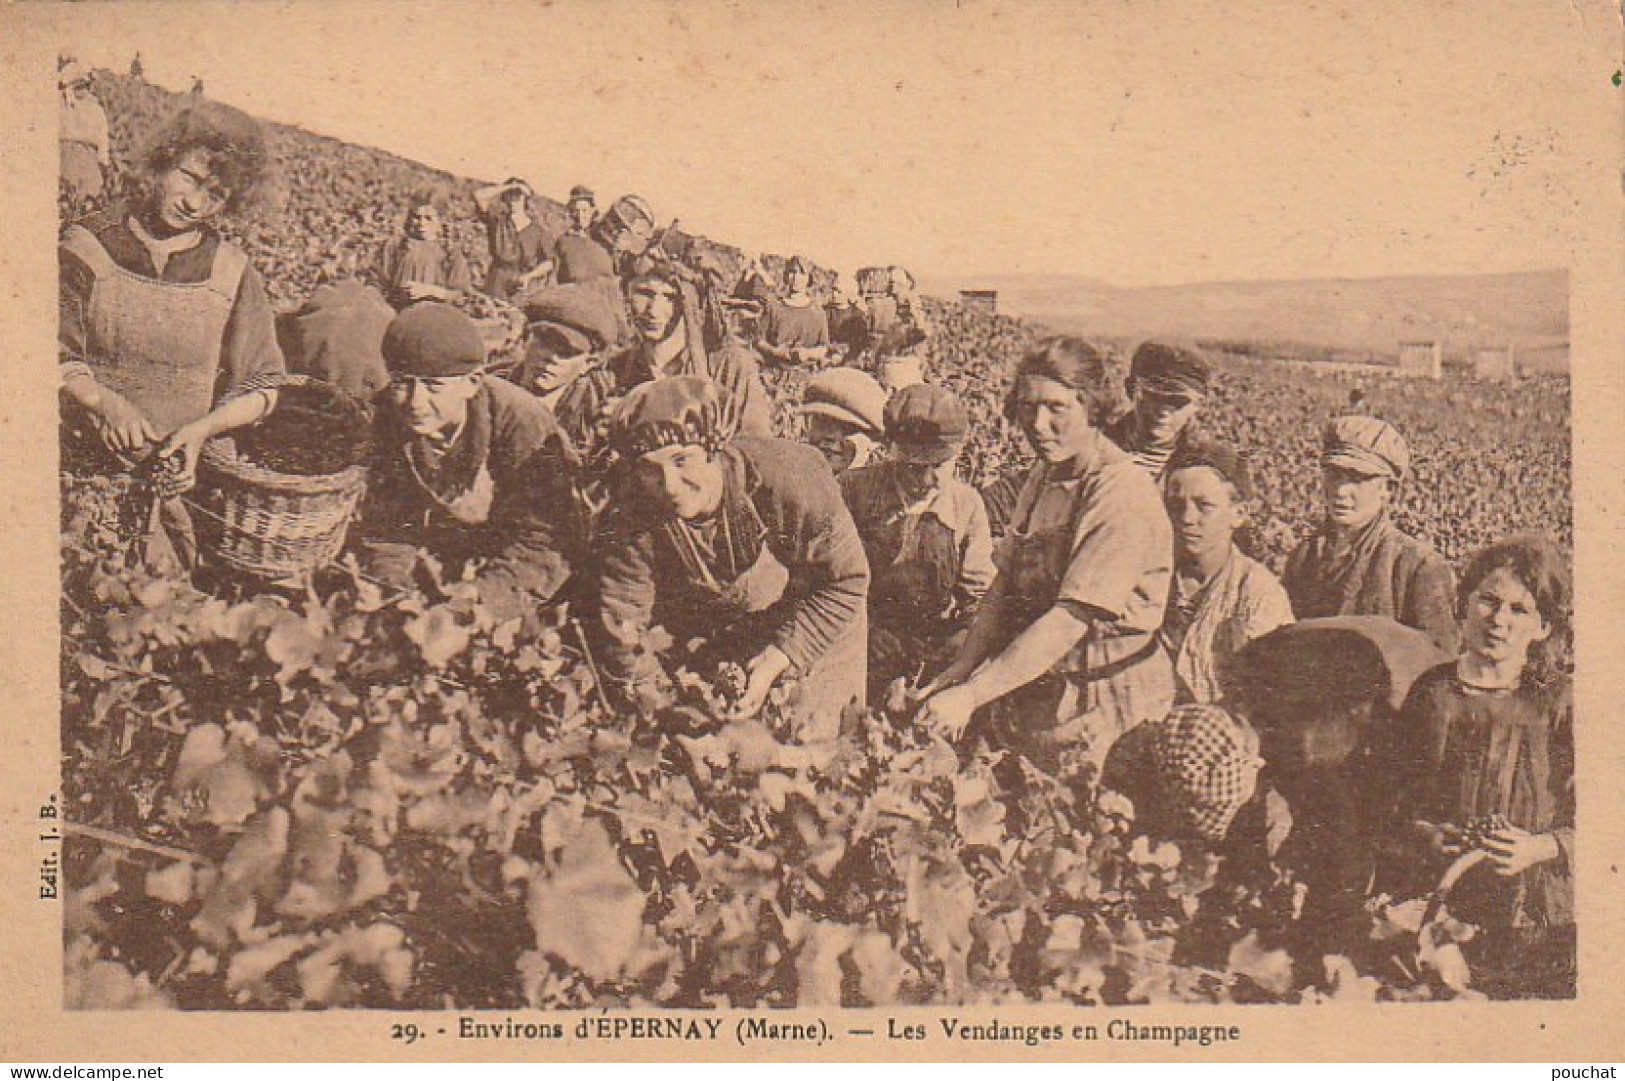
(1351, 317)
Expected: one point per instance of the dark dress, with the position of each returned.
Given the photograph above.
(1468, 753)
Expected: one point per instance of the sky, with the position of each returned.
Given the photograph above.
(1143, 144)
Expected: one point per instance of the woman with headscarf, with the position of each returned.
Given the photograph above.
(1064, 647)
(740, 548)
(165, 329)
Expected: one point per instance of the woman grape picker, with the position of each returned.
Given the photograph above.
(163, 323)
(1065, 645)
(794, 329)
(1486, 749)
(742, 545)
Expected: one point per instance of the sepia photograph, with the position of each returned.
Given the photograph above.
(576, 522)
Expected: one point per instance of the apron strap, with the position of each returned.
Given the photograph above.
(83, 243)
(229, 265)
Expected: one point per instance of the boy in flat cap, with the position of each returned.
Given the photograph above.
(926, 536)
(1358, 562)
(844, 414)
(468, 467)
(1167, 385)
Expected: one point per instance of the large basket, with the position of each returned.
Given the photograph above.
(267, 524)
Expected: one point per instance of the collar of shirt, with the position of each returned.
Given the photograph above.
(437, 446)
(160, 250)
(945, 502)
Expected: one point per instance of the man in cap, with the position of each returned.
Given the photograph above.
(1189, 774)
(467, 467)
(844, 413)
(926, 536)
(670, 337)
(1358, 562)
(1167, 386)
(337, 335)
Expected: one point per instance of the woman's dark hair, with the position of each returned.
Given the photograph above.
(1535, 560)
(1074, 363)
(233, 142)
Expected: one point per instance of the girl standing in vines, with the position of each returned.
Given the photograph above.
(1491, 739)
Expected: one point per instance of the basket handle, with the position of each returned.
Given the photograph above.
(1452, 875)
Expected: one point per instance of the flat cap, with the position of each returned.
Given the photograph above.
(1174, 369)
(1365, 445)
(926, 424)
(848, 395)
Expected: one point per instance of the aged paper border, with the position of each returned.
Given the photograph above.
(33, 1026)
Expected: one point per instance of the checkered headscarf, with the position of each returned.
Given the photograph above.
(1206, 763)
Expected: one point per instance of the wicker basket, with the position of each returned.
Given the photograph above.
(267, 524)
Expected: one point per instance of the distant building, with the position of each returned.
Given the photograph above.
(1543, 358)
(1496, 363)
(982, 300)
(1423, 359)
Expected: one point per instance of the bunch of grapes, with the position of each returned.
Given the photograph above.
(1479, 830)
(169, 477)
(730, 682)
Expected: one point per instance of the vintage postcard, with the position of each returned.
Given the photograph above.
(919, 531)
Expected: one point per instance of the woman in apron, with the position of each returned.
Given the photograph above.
(740, 548)
(1063, 652)
(164, 324)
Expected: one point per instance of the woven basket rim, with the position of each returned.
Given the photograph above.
(236, 468)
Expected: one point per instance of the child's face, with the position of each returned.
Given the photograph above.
(1502, 620)
(1204, 510)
